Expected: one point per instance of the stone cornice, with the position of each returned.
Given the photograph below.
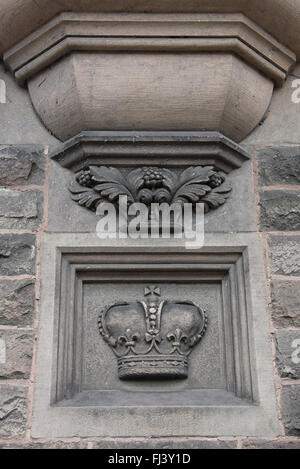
(143, 148)
(280, 18)
(70, 32)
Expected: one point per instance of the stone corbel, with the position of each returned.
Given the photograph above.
(178, 167)
(153, 86)
(150, 72)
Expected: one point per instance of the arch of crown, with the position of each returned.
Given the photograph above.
(182, 81)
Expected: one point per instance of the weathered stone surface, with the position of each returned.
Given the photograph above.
(271, 444)
(20, 209)
(17, 299)
(290, 406)
(19, 124)
(285, 254)
(281, 123)
(279, 210)
(17, 254)
(44, 445)
(288, 353)
(119, 101)
(164, 443)
(16, 354)
(15, 27)
(12, 411)
(20, 165)
(286, 303)
(280, 165)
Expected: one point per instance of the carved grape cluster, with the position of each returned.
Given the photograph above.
(216, 180)
(84, 178)
(153, 177)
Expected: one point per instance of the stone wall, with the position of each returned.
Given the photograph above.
(24, 176)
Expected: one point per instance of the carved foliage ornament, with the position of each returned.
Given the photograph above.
(152, 338)
(147, 185)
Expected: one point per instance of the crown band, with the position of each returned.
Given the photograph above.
(150, 366)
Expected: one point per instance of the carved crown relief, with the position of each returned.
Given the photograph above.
(147, 185)
(152, 338)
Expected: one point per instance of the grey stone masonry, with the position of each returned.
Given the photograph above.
(164, 443)
(15, 353)
(12, 411)
(20, 209)
(280, 210)
(17, 254)
(279, 165)
(288, 353)
(286, 303)
(290, 408)
(285, 254)
(17, 298)
(270, 444)
(21, 165)
(44, 445)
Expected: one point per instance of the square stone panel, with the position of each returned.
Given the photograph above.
(206, 364)
(229, 390)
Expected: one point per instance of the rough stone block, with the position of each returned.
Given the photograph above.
(44, 445)
(286, 303)
(280, 165)
(290, 406)
(271, 444)
(15, 354)
(288, 353)
(164, 443)
(285, 254)
(12, 411)
(17, 254)
(17, 298)
(20, 209)
(21, 165)
(279, 210)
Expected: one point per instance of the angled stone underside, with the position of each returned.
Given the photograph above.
(91, 71)
(228, 389)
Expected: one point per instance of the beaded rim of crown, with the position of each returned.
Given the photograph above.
(153, 363)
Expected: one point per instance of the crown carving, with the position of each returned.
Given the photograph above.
(152, 338)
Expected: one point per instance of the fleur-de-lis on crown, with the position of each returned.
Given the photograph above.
(129, 339)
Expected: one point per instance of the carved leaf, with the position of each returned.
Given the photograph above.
(111, 183)
(193, 184)
(217, 196)
(170, 179)
(136, 179)
(85, 196)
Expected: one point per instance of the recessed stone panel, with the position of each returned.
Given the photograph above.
(227, 389)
